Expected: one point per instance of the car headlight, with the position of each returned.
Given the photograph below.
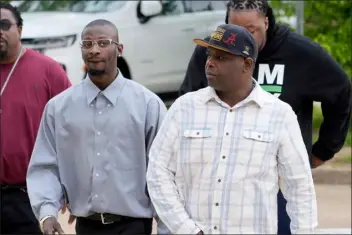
(54, 42)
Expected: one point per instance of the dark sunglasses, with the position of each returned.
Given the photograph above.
(102, 43)
(5, 25)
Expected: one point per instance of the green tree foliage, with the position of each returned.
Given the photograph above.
(327, 22)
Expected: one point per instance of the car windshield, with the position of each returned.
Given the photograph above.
(70, 6)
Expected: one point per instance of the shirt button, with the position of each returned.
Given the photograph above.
(219, 180)
(227, 133)
(91, 105)
(100, 112)
(230, 110)
(109, 105)
(98, 154)
(97, 174)
(215, 227)
(98, 133)
(223, 157)
(216, 204)
(96, 195)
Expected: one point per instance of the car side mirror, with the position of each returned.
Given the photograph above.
(151, 8)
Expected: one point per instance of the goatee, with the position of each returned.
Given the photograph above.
(3, 55)
(96, 72)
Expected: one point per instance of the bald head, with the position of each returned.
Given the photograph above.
(104, 24)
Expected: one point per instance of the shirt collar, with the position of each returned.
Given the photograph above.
(257, 95)
(111, 92)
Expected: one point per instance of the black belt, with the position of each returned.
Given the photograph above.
(13, 187)
(107, 218)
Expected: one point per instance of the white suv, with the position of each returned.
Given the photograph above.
(157, 35)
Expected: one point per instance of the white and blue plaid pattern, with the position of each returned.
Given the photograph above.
(218, 169)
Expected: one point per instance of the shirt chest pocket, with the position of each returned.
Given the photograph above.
(256, 147)
(198, 145)
(261, 136)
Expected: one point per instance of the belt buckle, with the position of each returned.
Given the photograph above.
(103, 220)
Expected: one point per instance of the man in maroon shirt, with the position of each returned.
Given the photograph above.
(27, 80)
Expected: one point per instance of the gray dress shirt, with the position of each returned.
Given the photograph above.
(92, 149)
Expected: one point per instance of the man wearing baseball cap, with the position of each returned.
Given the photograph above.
(225, 38)
(223, 151)
(295, 69)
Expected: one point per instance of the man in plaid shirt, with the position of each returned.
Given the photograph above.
(223, 152)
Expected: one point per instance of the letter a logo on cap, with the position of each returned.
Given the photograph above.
(231, 39)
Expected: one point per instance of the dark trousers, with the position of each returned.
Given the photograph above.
(128, 226)
(283, 218)
(16, 213)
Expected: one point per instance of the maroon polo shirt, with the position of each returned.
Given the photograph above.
(35, 80)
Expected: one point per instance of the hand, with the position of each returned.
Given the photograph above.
(316, 162)
(51, 226)
(71, 218)
(64, 207)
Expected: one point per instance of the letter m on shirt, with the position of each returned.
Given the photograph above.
(271, 80)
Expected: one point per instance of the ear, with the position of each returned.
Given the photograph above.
(266, 23)
(119, 50)
(19, 29)
(248, 65)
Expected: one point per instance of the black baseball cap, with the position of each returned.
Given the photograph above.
(233, 39)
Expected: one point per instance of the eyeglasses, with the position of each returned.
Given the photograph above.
(5, 25)
(102, 43)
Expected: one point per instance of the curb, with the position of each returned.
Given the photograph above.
(332, 176)
(333, 231)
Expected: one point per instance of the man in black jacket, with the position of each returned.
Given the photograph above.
(295, 69)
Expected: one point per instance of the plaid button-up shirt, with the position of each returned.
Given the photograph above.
(218, 169)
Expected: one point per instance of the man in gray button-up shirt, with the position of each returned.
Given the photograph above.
(92, 146)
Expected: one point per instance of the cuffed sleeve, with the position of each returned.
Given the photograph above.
(43, 181)
(48, 210)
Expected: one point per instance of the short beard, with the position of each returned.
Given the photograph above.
(95, 72)
(3, 55)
